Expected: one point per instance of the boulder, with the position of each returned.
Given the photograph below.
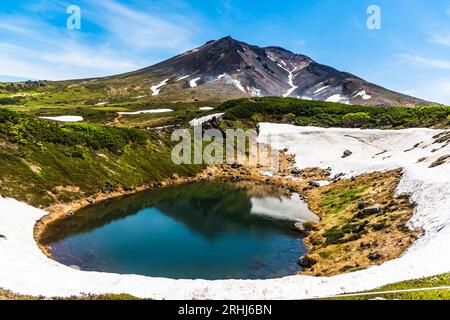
(236, 179)
(314, 184)
(307, 261)
(347, 153)
(372, 210)
(296, 171)
(339, 176)
(361, 204)
(236, 165)
(374, 256)
(365, 245)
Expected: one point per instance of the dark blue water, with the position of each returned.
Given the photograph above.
(203, 230)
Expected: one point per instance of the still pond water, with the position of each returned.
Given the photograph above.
(210, 230)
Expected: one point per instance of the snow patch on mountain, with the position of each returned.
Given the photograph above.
(363, 95)
(321, 89)
(64, 118)
(193, 83)
(200, 121)
(182, 78)
(156, 88)
(291, 83)
(255, 92)
(144, 111)
(338, 98)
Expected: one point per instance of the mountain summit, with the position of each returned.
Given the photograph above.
(227, 68)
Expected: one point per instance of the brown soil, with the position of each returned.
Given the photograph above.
(346, 236)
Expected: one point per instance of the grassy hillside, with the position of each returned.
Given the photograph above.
(424, 283)
(44, 162)
(327, 114)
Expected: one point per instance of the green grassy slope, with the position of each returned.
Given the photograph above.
(432, 282)
(43, 162)
(327, 114)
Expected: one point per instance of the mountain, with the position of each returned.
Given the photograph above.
(227, 68)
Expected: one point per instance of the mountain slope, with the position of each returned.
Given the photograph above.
(228, 68)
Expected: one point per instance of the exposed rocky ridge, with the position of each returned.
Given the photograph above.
(248, 70)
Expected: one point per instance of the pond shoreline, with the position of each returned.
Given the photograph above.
(304, 183)
(26, 270)
(246, 173)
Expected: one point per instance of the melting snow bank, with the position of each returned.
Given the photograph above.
(25, 269)
(193, 83)
(199, 121)
(145, 111)
(157, 88)
(64, 118)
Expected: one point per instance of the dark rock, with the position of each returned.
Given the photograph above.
(236, 165)
(361, 204)
(314, 184)
(372, 210)
(359, 228)
(307, 262)
(109, 186)
(3, 237)
(374, 256)
(365, 245)
(236, 179)
(296, 171)
(286, 149)
(347, 153)
(339, 176)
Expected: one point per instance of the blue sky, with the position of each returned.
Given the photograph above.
(410, 54)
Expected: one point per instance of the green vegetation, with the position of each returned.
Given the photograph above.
(8, 295)
(327, 114)
(431, 282)
(44, 162)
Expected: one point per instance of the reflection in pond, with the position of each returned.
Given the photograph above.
(208, 230)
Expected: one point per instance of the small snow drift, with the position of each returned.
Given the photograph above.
(182, 78)
(145, 111)
(155, 89)
(200, 121)
(193, 83)
(64, 118)
(363, 95)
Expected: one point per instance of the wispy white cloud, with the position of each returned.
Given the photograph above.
(36, 50)
(32, 48)
(426, 62)
(440, 39)
(138, 29)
